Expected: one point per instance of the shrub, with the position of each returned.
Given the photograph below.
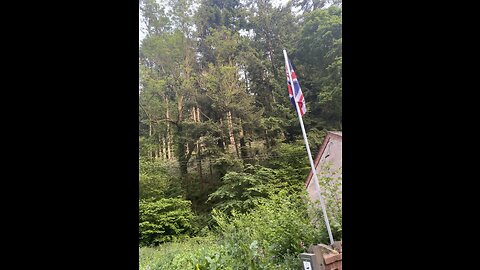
(200, 253)
(164, 220)
(271, 235)
(158, 179)
(331, 183)
(290, 161)
(241, 190)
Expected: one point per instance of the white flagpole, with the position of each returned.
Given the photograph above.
(314, 172)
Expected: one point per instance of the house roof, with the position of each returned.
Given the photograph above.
(330, 135)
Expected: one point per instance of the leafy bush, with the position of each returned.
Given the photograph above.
(241, 190)
(199, 253)
(157, 179)
(290, 162)
(194, 253)
(271, 235)
(164, 220)
(331, 183)
(226, 163)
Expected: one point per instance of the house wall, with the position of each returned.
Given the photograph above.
(329, 165)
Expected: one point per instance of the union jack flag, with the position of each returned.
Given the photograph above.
(296, 87)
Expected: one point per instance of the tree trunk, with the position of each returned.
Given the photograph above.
(246, 79)
(211, 169)
(271, 56)
(249, 142)
(199, 164)
(164, 148)
(270, 51)
(230, 133)
(159, 146)
(180, 108)
(150, 133)
(182, 159)
(243, 146)
(266, 139)
(199, 151)
(169, 137)
(221, 141)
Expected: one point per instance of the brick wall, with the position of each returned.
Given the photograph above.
(333, 261)
(328, 257)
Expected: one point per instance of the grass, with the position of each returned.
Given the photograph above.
(186, 254)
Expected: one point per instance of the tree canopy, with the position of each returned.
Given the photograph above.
(216, 127)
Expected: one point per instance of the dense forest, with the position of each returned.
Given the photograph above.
(222, 158)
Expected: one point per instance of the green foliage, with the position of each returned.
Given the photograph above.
(213, 73)
(271, 235)
(331, 183)
(154, 16)
(164, 220)
(241, 190)
(226, 163)
(320, 53)
(195, 253)
(213, 15)
(157, 180)
(285, 169)
(315, 139)
(290, 161)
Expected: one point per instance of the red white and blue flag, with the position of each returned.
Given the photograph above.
(296, 91)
